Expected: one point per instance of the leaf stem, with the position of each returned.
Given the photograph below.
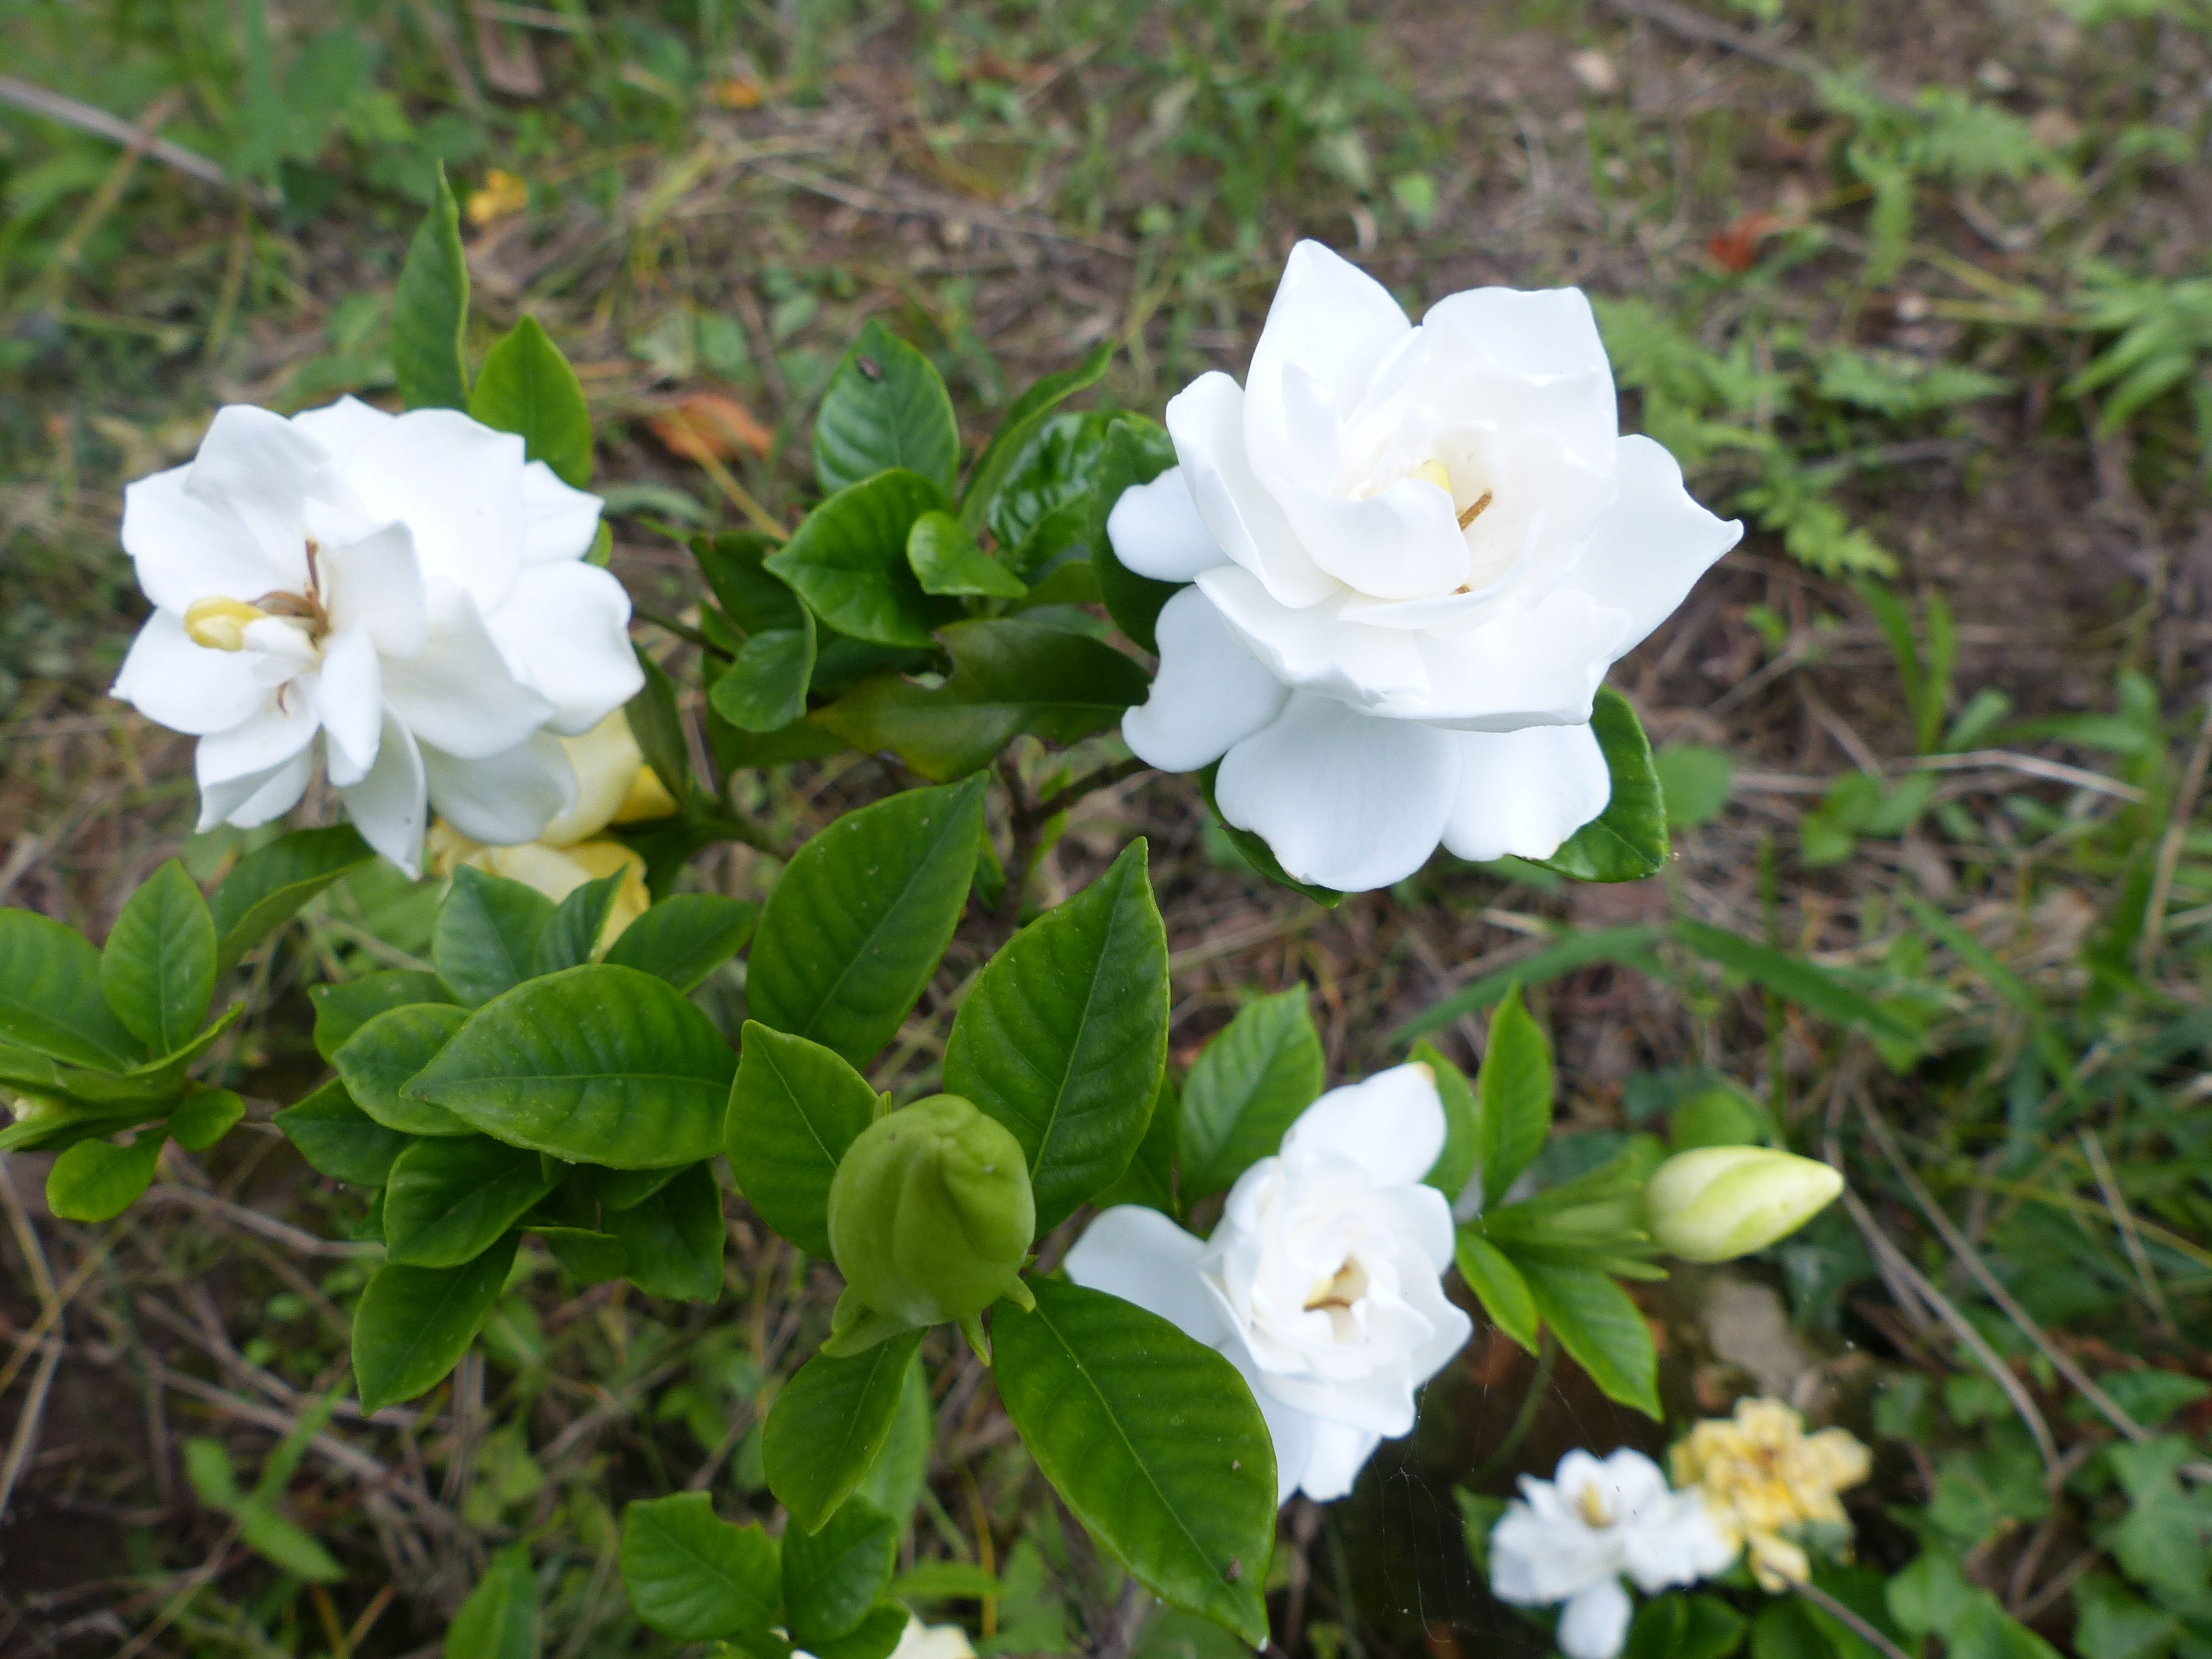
(1547, 1356)
(1042, 812)
(1864, 1629)
(682, 631)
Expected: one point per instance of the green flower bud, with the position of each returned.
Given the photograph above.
(1721, 1202)
(931, 1214)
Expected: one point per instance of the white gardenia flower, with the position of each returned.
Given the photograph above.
(1416, 549)
(920, 1641)
(1571, 1538)
(407, 587)
(1323, 1282)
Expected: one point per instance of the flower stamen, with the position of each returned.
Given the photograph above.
(1472, 514)
(219, 624)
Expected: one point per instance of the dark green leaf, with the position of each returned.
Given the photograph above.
(487, 934)
(673, 1241)
(764, 688)
(413, 1324)
(685, 938)
(499, 1618)
(695, 1577)
(589, 1257)
(886, 408)
(896, 1477)
(1137, 452)
(1628, 839)
(50, 995)
(1150, 1179)
(377, 1062)
(1010, 676)
(1044, 508)
(1455, 1164)
(95, 1180)
(1152, 1439)
(877, 1636)
(848, 560)
(756, 598)
(1257, 854)
(861, 915)
(1513, 1097)
(1686, 1627)
(1491, 1274)
(829, 1424)
(339, 1139)
(947, 560)
(342, 1009)
(205, 1118)
(447, 1200)
(266, 887)
(658, 725)
(1063, 1039)
(794, 1110)
(1015, 432)
(832, 1578)
(1600, 1329)
(527, 387)
(157, 970)
(430, 310)
(620, 1188)
(571, 932)
(1245, 1089)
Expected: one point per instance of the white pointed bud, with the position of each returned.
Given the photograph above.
(1720, 1202)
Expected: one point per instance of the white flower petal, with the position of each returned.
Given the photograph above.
(254, 797)
(563, 521)
(565, 631)
(1651, 545)
(389, 805)
(1312, 647)
(349, 701)
(1403, 542)
(1676, 1543)
(1528, 358)
(606, 760)
(1342, 799)
(505, 799)
(186, 687)
(258, 469)
(1380, 1401)
(184, 549)
(1210, 691)
(1329, 319)
(1595, 1622)
(1534, 1562)
(1524, 793)
(1207, 420)
(1449, 1323)
(283, 728)
(343, 428)
(376, 584)
(1157, 532)
(1338, 1454)
(1142, 1256)
(1537, 665)
(457, 485)
(1392, 1125)
(1291, 1431)
(458, 695)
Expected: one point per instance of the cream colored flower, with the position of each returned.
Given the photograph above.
(922, 1641)
(1765, 1481)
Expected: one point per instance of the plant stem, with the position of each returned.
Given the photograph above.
(1547, 1356)
(1052, 807)
(682, 631)
(1860, 1628)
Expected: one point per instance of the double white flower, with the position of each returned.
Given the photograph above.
(1323, 1282)
(1415, 550)
(407, 587)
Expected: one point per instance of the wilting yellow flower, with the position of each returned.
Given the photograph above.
(500, 197)
(1765, 1481)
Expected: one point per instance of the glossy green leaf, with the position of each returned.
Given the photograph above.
(829, 1425)
(343, 1008)
(1491, 1274)
(413, 1324)
(848, 560)
(877, 1636)
(430, 310)
(377, 1062)
(620, 1188)
(157, 969)
(1627, 842)
(754, 596)
(486, 937)
(946, 560)
(1149, 1179)
(527, 387)
(499, 1620)
(96, 1181)
(795, 1108)
(1154, 1442)
(898, 1472)
(1248, 1086)
(50, 995)
(685, 937)
(339, 1139)
(1137, 452)
(1063, 1037)
(595, 1065)
(886, 408)
(589, 1257)
(1043, 509)
(1513, 1097)
(1257, 854)
(764, 688)
(449, 1199)
(861, 915)
(266, 889)
(695, 1577)
(572, 932)
(657, 722)
(832, 1578)
(672, 1240)
(1600, 1327)
(1009, 676)
(1455, 1165)
(205, 1118)
(1019, 429)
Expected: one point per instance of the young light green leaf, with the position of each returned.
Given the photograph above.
(449, 1199)
(157, 969)
(861, 915)
(268, 1533)
(832, 1578)
(499, 1618)
(339, 1139)
(886, 407)
(1154, 1442)
(1063, 1039)
(795, 1108)
(1513, 1097)
(684, 938)
(1029, 412)
(377, 1062)
(96, 1181)
(1455, 1165)
(764, 688)
(50, 995)
(1694, 782)
(205, 1118)
(1491, 1274)
(343, 1008)
(947, 562)
(1600, 1327)
(672, 1240)
(1627, 842)
(848, 560)
(527, 387)
(571, 932)
(413, 1324)
(1245, 1089)
(1137, 452)
(266, 887)
(694, 1577)
(1009, 676)
(430, 310)
(829, 1424)
(1796, 979)
(595, 1065)
(485, 941)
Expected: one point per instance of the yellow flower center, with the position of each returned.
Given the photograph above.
(1595, 1507)
(1433, 471)
(1340, 1289)
(221, 624)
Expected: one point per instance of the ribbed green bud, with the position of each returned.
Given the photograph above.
(1721, 1202)
(931, 1214)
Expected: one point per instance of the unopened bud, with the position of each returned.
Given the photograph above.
(931, 1213)
(1721, 1202)
(221, 624)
